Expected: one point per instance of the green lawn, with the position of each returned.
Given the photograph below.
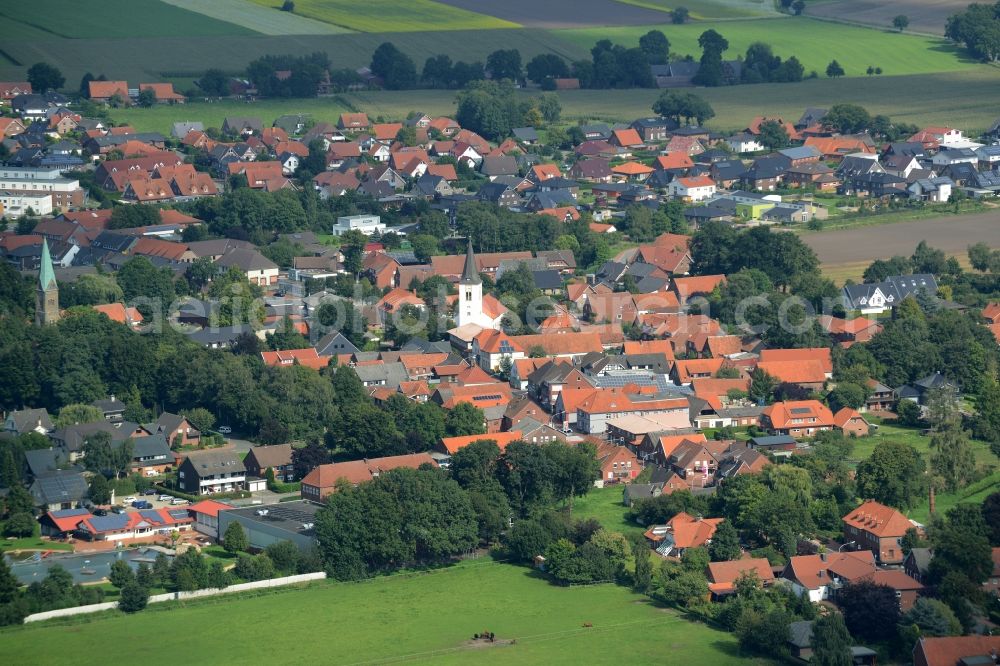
(32, 543)
(887, 432)
(605, 504)
(814, 43)
(711, 9)
(392, 15)
(972, 494)
(424, 618)
(159, 118)
(131, 18)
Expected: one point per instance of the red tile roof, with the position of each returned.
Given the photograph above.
(821, 354)
(878, 519)
(502, 439)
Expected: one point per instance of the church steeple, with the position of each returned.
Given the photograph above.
(469, 274)
(47, 296)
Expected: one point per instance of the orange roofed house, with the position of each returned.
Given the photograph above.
(319, 483)
(449, 445)
(722, 576)
(618, 464)
(798, 418)
(956, 650)
(878, 528)
(682, 532)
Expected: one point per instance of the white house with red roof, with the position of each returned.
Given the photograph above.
(697, 188)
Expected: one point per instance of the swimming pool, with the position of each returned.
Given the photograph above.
(85, 568)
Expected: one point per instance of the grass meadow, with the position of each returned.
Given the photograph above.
(814, 43)
(131, 18)
(258, 18)
(423, 618)
(392, 15)
(711, 9)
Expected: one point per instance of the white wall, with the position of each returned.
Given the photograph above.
(178, 596)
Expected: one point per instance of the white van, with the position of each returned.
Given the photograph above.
(178, 500)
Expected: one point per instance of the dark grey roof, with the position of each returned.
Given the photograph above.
(296, 517)
(245, 260)
(499, 165)
(811, 116)
(220, 336)
(772, 440)
(894, 289)
(45, 461)
(547, 279)
(58, 487)
(111, 405)
(800, 634)
(153, 448)
(333, 344)
(921, 558)
(525, 133)
(209, 463)
(24, 420)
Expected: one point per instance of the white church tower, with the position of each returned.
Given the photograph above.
(470, 294)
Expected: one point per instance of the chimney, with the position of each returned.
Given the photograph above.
(930, 502)
(822, 557)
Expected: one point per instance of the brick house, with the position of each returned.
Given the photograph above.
(878, 528)
(800, 418)
(850, 422)
(618, 464)
(277, 457)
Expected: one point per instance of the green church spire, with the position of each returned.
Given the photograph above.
(46, 275)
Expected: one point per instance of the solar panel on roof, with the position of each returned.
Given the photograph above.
(801, 410)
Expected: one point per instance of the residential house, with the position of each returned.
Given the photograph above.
(214, 471)
(722, 576)
(318, 484)
(683, 531)
(851, 423)
(259, 269)
(956, 650)
(23, 421)
(151, 455)
(618, 464)
(878, 528)
(277, 458)
(820, 576)
(697, 188)
(59, 489)
(876, 298)
(800, 418)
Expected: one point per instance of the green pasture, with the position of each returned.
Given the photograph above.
(974, 493)
(605, 506)
(160, 118)
(392, 15)
(259, 18)
(69, 19)
(814, 43)
(711, 9)
(423, 618)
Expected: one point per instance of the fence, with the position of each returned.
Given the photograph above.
(179, 596)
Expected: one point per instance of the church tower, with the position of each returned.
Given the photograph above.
(470, 292)
(47, 296)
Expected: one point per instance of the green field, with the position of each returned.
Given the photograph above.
(393, 15)
(967, 99)
(887, 432)
(814, 43)
(427, 618)
(605, 505)
(132, 18)
(264, 20)
(711, 9)
(972, 494)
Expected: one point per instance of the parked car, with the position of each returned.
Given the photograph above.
(225, 430)
(100, 512)
(118, 509)
(142, 504)
(178, 500)
(166, 498)
(149, 491)
(128, 500)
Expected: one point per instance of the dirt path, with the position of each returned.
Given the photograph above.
(953, 234)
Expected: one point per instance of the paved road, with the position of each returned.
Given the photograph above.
(953, 234)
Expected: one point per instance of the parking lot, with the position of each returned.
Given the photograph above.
(152, 499)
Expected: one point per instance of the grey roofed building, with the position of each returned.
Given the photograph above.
(427, 347)
(217, 247)
(112, 408)
(811, 116)
(273, 523)
(180, 129)
(291, 123)
(42, 462)
(245, 260)
(219, 337)
(152, 450)
(553, 199)
(334, 344)
(596, 131)
(880, 296)
(219, 467)
(71, 438)
(800, 152)
(853, 166)
(62, 489)
(498, 193)
(639, 491)
(547, 280)
(20, 421)
(113, 241)
(389, 375)
(499, 165)
(238, 125)
(525, 134)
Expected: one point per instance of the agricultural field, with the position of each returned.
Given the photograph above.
(392, 15)
(566, 13)
(927, 16)
(160, 118)
(131, 18)
(814, 43)
(424, 618)
(258, 18)
(712, 9)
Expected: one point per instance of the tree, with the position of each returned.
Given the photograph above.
(44, 77)
(762, 385)
(679, 16)
(908, 413)
(952, 459)
(846, 118)
(642, 575)
(979, 256)
(961, 544)
(546, 66)
(725, 544)
(680, 105)
(846, 394)
(465, 419)
(394, 67)
(933, 617)
(991, 516)
(831, 642)
(773, 135)
(656, 46)
(20, 524)
(870, 611)
(892, 475)
(900, 22)
(834, 70)
(235, 539)
(214, 83)
(19, 500)
(527, 539)
(147, 98)
(504, 64)
(134, 597)
(100, 490)
(121, 574)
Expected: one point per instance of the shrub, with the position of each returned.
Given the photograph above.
(134, 598)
